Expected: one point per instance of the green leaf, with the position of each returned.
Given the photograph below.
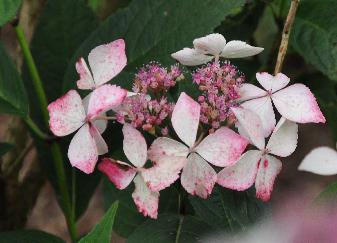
(28, 236)
(8, 9)
(4, 148)
(314, 35)
(13, 97)
(153, 29)
(171, 228)
(228, 210)
(329, 194)
(102, 231)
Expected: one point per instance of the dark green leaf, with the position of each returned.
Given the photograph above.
(102, 231)
(13, 97)
(4, 148)
(171, 228)
(28, 236)
(8, 9)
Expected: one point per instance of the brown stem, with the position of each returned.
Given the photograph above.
(285, 35)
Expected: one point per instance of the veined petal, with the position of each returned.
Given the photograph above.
(106, 61)
(134, 146)
(66, 114)
(239, 49)
(222, 148)
(82, 151)
(211, 44)
(105, 98)
(283, 140)
(120, 174)
(269, 168)
(321, 161)
(198, 177)
(249, 91)
(102, 147)
(242, 174)
(145, 199)
(298, 104)
(86, 81)
(185, 119)
(272, 83)
(191, 57)
(164, 172)
(166, 147)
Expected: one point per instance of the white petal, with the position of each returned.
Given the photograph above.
(86, 81)
(102, 147)
(134, 146)
(145, 199)
(99, 124)
(272, 83)
(191, 57)
(249, 91)
(185, 119)
(210, 44)
(238, 49)
(283, 140)
(321, 161)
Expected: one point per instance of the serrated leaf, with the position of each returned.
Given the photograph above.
(102, 231)
(8, 9)
(28, 236)
(13, 97)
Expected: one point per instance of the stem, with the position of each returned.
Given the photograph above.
(55, 149)
(31, 124)
(285, 35)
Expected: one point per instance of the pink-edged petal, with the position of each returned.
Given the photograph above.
(250, 91)
(211, 44)
(283, 140)
(82, 151)
(134, 146)
(198, 177)
(119, 173)
(66, 114)
(185, 119)
(99, 124)
(145, 199)
(269, 168)
(222, 148)
(239, 49)
(166, 147)
(263, 107)
(242, 174)
(164, 172)
(321, 161)
(191, 57)
(272, 83)
(106, 61)
(298, 104)
(86, 81)
(251, 124)
(102, 147)
(105, 98)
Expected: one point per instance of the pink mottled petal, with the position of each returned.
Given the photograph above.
(251, 124)
(272, 83)
(222, 148)
(241, 175)
(145, 199)
(298, 104)
(185, 119)
(86, 81)
(102, 147)
(66, 114)
(210, 44)
(105, 98)
(269, 168)
(106, 61)
(191, 57)
(164, 172)
(321, 161)
(283, 140)
(198, 177)
(249, 91)
(264, 109)
(166, 147)
(82, 151)
(99, 124)
(120, 174)
(239, 49)
(134, 146)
